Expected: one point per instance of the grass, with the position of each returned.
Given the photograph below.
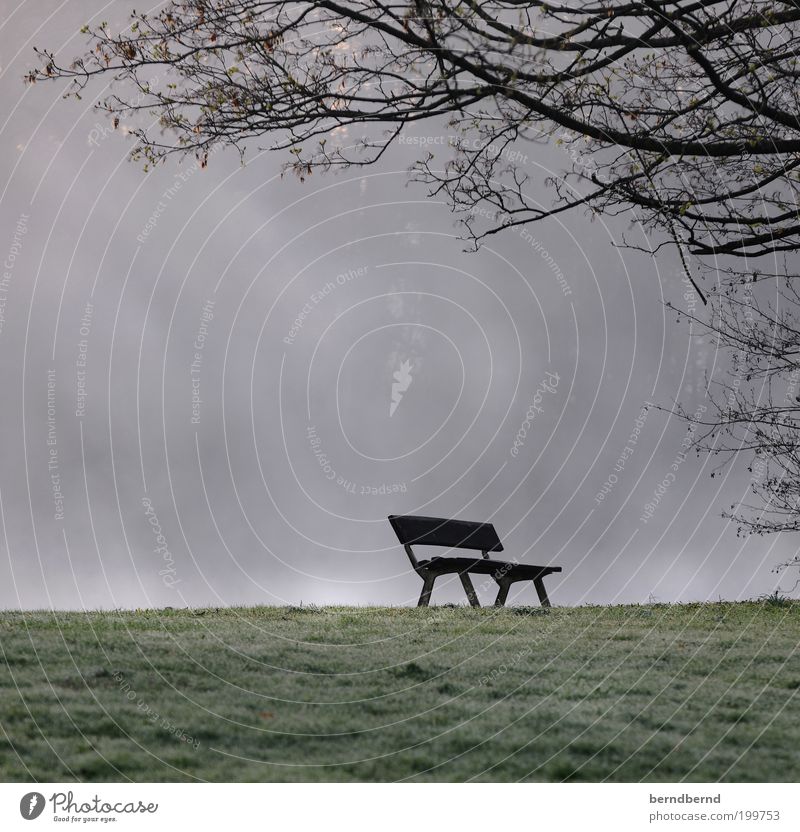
(698, 693)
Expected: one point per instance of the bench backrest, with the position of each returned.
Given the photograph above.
(415, 530)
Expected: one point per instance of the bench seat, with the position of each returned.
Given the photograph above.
(480, 566)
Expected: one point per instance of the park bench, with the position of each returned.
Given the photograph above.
(415, 530)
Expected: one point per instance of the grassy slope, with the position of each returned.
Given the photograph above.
(697, 692)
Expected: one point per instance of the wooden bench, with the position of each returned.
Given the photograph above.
(415, 530)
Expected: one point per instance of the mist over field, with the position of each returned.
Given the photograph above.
(217, 383)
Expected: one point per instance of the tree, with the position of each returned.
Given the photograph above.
(686, 110)
(755, 408)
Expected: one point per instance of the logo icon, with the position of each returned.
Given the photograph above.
(31, 805)
(402, 381)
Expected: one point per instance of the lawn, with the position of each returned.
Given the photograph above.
(699, 692)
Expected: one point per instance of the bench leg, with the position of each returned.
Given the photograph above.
(469, 589)
(541, 592)
(427, 588)
(502, 593)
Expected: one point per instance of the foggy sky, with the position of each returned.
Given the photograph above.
(285, 309)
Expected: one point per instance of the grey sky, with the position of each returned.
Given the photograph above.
(285, 309)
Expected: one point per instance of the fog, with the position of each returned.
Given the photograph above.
(198, 370)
